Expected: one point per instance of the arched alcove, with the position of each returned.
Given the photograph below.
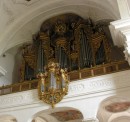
(114, 109)
(82, 46)
(7, 118)
(58, 115)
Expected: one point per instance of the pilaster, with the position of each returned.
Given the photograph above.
(120, 31)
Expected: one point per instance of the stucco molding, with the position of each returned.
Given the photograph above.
(77, 90)
(120, 31)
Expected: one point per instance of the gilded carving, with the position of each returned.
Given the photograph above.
(69, 40)
(53, 84)
(78, 45)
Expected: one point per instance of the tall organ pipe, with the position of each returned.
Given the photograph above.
(40, 63)
(85, 50)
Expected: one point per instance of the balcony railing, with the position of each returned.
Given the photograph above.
(74, 75)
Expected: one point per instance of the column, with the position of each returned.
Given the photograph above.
(123, 8)
(120, 29)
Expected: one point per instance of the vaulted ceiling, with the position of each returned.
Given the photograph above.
(20, 19)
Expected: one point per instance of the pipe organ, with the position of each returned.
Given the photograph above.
(69, 40)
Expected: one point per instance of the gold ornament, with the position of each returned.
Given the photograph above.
(53, 84)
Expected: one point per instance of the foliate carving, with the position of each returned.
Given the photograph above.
(72, 42)
(101, 83)
(30, 56)
(17, 99)
(60, 27)
(78, 87)
(11, 100)
(96, 41)
(61, 42)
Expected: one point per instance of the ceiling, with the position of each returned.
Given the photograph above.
(22, 18)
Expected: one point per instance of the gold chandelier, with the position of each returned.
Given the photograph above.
(53, 84)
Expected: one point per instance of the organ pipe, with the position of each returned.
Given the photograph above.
(73, 44)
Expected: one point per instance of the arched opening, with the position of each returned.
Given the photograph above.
(121, 119)
(62, 114)
(114, 109)
(7, 118)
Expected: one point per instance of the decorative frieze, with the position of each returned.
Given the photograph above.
(82, 87)
(78, 87)
(16, 99)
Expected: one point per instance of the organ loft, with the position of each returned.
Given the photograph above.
(75, 43)
(81, 46)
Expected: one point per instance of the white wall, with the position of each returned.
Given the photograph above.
(128, 3)
(84, 95)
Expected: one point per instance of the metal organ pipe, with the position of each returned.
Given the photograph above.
(42, 59)
(85, 49)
